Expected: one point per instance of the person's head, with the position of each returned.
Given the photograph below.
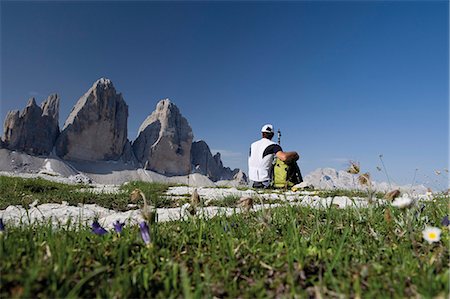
(267, 131)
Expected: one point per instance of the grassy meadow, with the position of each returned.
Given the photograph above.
(287, 252)
(20, 191)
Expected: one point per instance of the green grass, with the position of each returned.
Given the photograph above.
(153, 192)
(226, 201)
(231, 201)
(19, 191)
(287, 252)
(348, 193)
(328, 193)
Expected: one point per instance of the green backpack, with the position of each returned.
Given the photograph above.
(286, 175)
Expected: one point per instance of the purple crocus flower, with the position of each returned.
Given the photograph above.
(445, 221)
(2, 226)
(118, 226)
(226, 227)
(145, 233)
(98, 229)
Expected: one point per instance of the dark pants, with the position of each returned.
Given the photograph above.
(263, 185)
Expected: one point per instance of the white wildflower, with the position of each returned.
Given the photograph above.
(431, 234)
(426, 197)
(403, 202)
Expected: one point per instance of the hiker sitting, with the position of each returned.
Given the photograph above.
(261, 158)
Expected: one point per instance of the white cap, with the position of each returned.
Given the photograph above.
(267, 128)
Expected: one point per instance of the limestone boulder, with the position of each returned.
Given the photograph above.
(96, 129)
(35, 129)
(164, 141)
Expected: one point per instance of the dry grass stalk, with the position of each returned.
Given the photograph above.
(195, 198)
(364, 179)
(245, 203)
(148, 212)
(392, 195)
(192, 210)
(194, 203)
(135, 195)
(387, 216)
(353, 168)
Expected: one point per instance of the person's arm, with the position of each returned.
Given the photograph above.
(287, 156)
(283, 156)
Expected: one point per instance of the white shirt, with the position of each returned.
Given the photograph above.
(258, 165)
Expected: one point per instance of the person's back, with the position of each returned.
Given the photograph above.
(262, 153)
(260, 161)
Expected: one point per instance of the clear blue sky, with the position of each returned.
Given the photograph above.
(342, 80)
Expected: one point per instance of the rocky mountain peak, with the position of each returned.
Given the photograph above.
(164, 140)
(103, 82)
(50, 107)
(165, 106)
(35, 129)
(31, 102)
(164, 103)
(96, 129)
(205, 163)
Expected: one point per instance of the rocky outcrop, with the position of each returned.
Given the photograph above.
(205, 163)
(164, 141)
(96, 129)
(128, 155)
(330, 179)
(240, 177)
(35, 129)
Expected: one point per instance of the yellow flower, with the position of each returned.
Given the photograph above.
(431, 234)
